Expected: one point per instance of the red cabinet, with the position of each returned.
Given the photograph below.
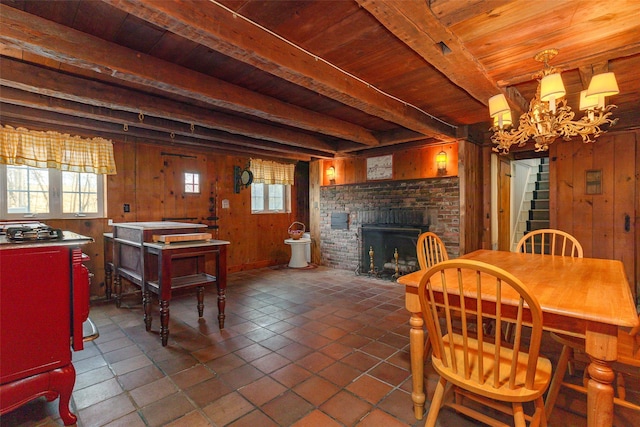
(44, 300)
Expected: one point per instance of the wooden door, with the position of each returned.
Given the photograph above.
(178, 203)
(504, 204)
(594, 196)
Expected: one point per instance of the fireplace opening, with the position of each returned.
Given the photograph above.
(381, 243)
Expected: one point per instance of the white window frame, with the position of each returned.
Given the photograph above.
(265, 208)
(55, 199)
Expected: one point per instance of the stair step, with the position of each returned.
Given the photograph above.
(535, 224)
(543, 168)
(539, 214)
(540, 204)
(541, 194)
(542, 185)
(542, 176)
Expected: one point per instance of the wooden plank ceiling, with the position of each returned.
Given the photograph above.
(301, 79)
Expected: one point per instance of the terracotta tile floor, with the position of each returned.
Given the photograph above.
(305, 348)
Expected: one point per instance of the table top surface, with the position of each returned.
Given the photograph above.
(157, 225)
(585, 288)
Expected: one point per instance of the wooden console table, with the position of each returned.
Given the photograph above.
(161, 268)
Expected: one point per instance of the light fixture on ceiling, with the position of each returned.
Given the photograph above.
(549, 116)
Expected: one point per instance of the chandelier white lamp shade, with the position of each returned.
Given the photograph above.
(549, 117)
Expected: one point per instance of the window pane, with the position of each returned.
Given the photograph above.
(276, 197)
(257, 197)
(79, 192)
(27, 190)
(191, 182)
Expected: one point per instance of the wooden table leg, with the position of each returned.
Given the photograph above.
(416, 345)
(146, 309)
(200, 296)
(118, 288)
(600, 394)
(164, 322)
(601, 344)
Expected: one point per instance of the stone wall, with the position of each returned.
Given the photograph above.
(437, 198)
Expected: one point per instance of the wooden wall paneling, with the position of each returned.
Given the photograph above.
(626, 178)
(470, 168)
(561, 182)
(316, 173)
(414, 163)
(121, 186)
(147, 202)
(582, 218)
(302, 193)
(171, 166)
(636, 222)
(603, 225)
(486, 154)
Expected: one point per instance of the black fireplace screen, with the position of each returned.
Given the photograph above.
(380, 244)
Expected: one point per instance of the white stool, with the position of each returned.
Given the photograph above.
(298, 258)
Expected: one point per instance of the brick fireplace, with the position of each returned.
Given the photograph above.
(386, 215)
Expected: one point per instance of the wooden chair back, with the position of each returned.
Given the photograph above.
(550, 241)
(463, 352)
(430, 250)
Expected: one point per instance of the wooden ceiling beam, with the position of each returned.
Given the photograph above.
(17, 115)
(51, 40)
(132, 121)
(221, 29)
(595, 60)
(39, 80)
(415, 25)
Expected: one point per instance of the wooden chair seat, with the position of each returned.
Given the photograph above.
(503, 392)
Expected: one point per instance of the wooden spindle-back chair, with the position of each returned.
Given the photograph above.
(551, 242)
(478, 367)
(430, 250)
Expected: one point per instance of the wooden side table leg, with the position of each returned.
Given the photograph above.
(200, 294)
(108, 279)
(118, 288)
(164, 321)
(222, 299)
(600, 394)
(416, 345)
(146, 308)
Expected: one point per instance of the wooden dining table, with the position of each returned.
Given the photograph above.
(583, 297)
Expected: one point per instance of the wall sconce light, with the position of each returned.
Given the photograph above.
(331, 174)
(441, 162)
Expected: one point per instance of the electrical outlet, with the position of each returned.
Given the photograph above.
(127, 208)
(109, 221)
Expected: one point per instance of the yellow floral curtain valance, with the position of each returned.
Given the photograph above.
(20, 146)
(268, 172)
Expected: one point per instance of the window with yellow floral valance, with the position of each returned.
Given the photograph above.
(268, 172)
(20, 146)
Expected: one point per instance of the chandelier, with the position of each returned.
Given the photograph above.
(549, 117)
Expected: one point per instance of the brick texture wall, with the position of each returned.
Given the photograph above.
(439, 199)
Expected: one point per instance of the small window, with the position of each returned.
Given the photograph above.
(270, 198)
(191, 182)
(49, 193)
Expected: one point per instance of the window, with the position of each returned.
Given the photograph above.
(49, 193)
(270, 198)
(191, 182)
